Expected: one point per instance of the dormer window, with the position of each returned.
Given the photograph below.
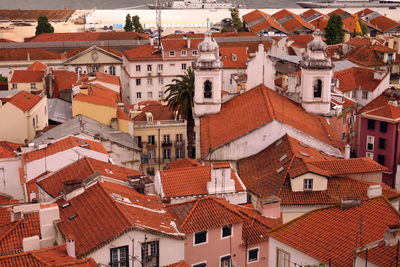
(234, 57)
(317, 88)
(33, 85)
(183, 53)
(171, 53)
(194, 52)
(207, 89)
(308, 184)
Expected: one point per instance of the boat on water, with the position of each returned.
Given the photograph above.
(349, 4)
(195, 4)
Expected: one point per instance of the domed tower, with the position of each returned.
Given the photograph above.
(316, 75)
(208, 78)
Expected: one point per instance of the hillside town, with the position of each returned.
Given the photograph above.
(257, 140)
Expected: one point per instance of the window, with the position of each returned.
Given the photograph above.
(226, 261)
(14, 86)
(370, 143)
(364, 95)
(119, 257)
(179, 137)
(149, 81)
(179, 153)
(207, 89)
(194, 52)
(171, 53)
(282, 259)
(150, 171)
(183, 66)
(149, 67)
(138, 140)
(166, 153)
(371, 124)
(382, 143)
(160, 67)
(166, 139)
(138, 82)
(112, 70)
(33, 85)
(183, 53)
(226, 231)
(151, 139)
(317, 88)
(138, 95)
(252, 255)
(200, 237)
(138, 68)
(383, 126)
(150, 254)
(308, 184)
(33, 123)
(353, 94)
(344, 120)
(149, 95)
(78, 70)
(95, 68)
(369, 155)
(160, 80)
(381, 159)
(200, 265)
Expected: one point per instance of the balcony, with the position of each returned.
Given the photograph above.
(166, 143)
(150, 144)
(180, 143)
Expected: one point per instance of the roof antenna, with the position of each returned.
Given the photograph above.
(158, 21)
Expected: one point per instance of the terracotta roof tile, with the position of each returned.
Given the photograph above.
(31, 186)
(330, 234)
(259, 21)
(96, 89)
(234, 57)
(63, 79)
(256, 101)
(311, 14)
(178, 264)
(3, 40)
(384, 23)
(122, 115)
(180, 44)
(364, 56)
(381, 255)
(87, 36)
(356, 78)
(252, 47)
(301, 40)
(159, 112)
(27, 54)
(143, 52)
(78, 50)
(292, 22)
(183, 163)
(385, 112)
(37, 65)
(97, 100)
(7, 149)
(52, 256)
(61, 145)
(190, 181)
(25, 101)
(107, 78)
(12, 234)
(349, 166)
(109, 211)
(27, 76)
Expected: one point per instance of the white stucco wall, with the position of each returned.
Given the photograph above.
(9, 178)
(359, 262)
(291, 212)
(204, 106)
(260, 70)
(319, 182)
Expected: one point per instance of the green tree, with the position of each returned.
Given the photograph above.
(364, 27)
(236, 21)
(334, 32)
(43, 26)
(136, 24)
(2, 78)
(180, 98)
(128, 23)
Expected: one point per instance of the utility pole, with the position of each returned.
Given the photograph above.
(158, 22)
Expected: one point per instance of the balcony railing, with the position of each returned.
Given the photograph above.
(180, 143)
(146, 160)
(166, 143)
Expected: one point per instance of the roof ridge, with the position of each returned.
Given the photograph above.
(89, 163)
(19, 222)
(286, 173)
(267, 100)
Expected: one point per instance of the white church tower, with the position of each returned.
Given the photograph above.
(208, 78)
(316, 75)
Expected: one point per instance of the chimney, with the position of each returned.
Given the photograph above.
(70, 244)
(151, 41)
(269, 207)
(393, 102)
(48, 213)
(347, 151)
(374, 191)
(349, 202)
(188, 43)
(378, 74)
(391, 236)
(221, 181)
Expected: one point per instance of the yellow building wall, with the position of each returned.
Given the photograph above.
(123, 125)
(100, 113)
(14, 124)
(27, 87)
(319, 182)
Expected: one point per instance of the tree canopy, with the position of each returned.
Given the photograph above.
(236, 21)
(43, 26)
(128, 23)
(136, 24)
(334, 32)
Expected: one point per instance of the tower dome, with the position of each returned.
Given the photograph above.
(209, 54)
(317, 44)
(208, 45)
(315, 57)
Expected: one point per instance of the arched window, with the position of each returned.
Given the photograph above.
(317, 88)
(207, 89)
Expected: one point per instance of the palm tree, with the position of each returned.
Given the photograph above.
(180, 98)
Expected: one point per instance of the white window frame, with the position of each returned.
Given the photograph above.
(194, 238)
(222, 231)
(198, 263)
(160, 67)
(149, 67)
(277, 257)
(149, 81)
(194, 53)
(183, 53)
(364, 95)
(33, 86)
(138, 82)
(150, 95)
(372, 142)
(183, 66)
(306, 185)
(160, 80)
(220, 259)
(138, 68)
(248, 254)
(118, 250)
(14, 86)
(369, 155)
(139, 95)
(172, 53)
(112, 70)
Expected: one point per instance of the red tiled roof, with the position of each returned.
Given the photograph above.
(365, 56)
(178, 264)
(3, 40)
(27, 54)
(242, 115)
(37, 65)
(349, 166)
(387, 111)
(301, 40)
(27, 76)
(25, 101)
(99, 90)
(63, 79)
(384, 23)
(31, 186)
(159, 112)
(64, 144)
(356, 78)
(143, 52)
(81, 170)
(183, 163)
(52, 256)
(252, 47)
(381, 255)
(359, 41)
(78, 50)
(294, 23)
(87, 36)
(122, 115)
(190, 181)
(7, 149)
(259, 21)
(311, 12)
(320, 23)
(12, 234)
(204, 213)
(180, 44)
(234, 57)
(331, 234)
(109, 211)
(107, 78)
(97, 100)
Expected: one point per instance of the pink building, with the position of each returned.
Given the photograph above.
(222, 234)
